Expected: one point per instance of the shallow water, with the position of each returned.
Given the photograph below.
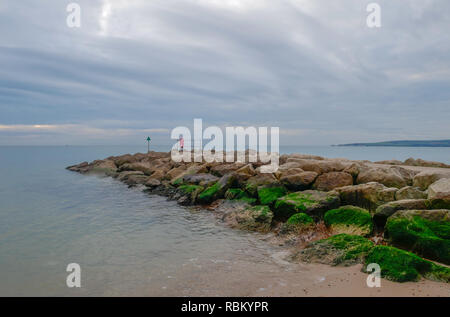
(125, 241)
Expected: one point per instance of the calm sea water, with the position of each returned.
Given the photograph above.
(125, 241)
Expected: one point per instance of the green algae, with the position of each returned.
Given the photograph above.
(341, 249)
(349, 219)
(188, 189)
(293, 203)
(240, 195)
(209, 194)
(300, 219)
(268, 195)
(424, 237)
(398, 265)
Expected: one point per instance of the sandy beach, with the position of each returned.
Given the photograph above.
(279, 278)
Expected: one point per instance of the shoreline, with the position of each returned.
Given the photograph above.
(245, 199)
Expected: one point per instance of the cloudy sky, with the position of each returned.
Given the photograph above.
(142, 67)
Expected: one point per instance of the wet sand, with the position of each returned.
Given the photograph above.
(276, 277)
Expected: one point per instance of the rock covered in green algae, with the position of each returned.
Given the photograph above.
(341, 249)
(210, 194)
(312, 202)
(381, 214)
(252, 218)
(189, 194)
(239, 194)
(235, 193)
(425, 232)
(402, 266)
(218, 189)
(267, 195)
(297, 223)
(300, 219)
(350, 220)
(260, 180)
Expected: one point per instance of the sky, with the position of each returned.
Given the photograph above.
(135, 68)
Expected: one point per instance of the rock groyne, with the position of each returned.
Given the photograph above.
(350, 211)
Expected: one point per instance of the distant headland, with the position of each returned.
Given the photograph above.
(410, 143)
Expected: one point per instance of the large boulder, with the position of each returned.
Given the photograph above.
(147, 167)
(244, 173)
(354, 169)
(176, 173)
(312, 202)
(410, 192)
(319, 166)
(381, 214)
(247, 170)
(132, 178)
(124, 175)
(124, 159)
(102, 167)
(152, 182)
(80, 168)
(158, 175)
(389, 162)
(350, 220)
(288, 166)
(368, 196)
(419, 162)
(202, 179)
(218, 189)
(425, 178)
(225, 168)
(294, 156)
(298, 181)
(439, 193)
(332, 180)
(425, 232)
(389, 176)
(254, 182)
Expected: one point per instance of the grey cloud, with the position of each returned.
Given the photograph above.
(309, 66)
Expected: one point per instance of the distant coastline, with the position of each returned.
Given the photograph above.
(405, 143)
